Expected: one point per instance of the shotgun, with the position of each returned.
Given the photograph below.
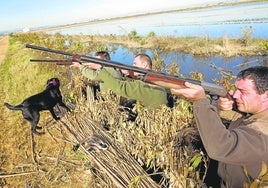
(153, 77)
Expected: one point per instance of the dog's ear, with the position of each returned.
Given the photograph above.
(53, 81)
(57, 81)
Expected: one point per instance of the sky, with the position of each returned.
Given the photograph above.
(19, 14)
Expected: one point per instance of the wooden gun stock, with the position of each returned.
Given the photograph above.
(64, 63)
(169, 82)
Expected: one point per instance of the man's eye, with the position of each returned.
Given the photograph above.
(244, 92)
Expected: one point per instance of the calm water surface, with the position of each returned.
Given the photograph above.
(230, 21)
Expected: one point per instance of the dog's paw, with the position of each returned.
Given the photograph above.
(56, 118)
(38, 133)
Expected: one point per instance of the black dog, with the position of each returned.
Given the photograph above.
(45, 100)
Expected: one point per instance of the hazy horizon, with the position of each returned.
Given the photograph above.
(18, 15)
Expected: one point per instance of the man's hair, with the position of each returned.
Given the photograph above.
(259, 75)
(103, 55)
(146, 58)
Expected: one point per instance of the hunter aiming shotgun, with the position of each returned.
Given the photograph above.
(153, 77)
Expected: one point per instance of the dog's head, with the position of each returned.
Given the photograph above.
(53, 81)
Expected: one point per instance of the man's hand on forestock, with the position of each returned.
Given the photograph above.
(191, 91)
(93, 66)
(226, 103)
(75, 64)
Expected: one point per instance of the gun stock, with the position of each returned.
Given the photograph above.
(153, 77)
(64, 63)
(166, 81)
(169, 82)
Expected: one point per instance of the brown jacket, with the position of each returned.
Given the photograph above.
(244, 144)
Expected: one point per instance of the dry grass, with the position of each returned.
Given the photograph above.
(26, 159)
(197, 46)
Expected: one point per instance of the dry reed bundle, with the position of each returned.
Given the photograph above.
(98, 145)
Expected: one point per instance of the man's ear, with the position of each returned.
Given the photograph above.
(146, 65)
(265, 96)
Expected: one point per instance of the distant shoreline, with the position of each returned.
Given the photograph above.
(135, 16)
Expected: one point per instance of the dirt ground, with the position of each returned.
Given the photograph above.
(3, 47)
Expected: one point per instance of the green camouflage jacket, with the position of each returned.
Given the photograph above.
(111, 79)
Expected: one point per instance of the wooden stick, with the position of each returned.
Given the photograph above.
(16, 174)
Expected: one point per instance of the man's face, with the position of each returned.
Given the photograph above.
(247, 98)
(98, 56)
(138, 63)
(102, 57)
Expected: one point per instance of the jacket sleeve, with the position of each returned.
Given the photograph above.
(147, 94)
(88, 72)
(94, 74)
(239, 146)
